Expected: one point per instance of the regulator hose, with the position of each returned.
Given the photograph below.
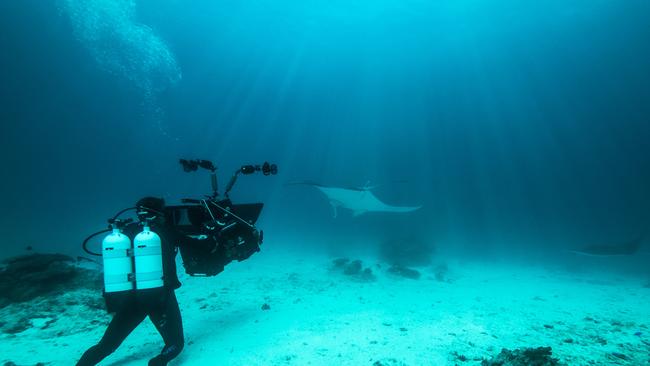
(123, 211)
(85, 243)
(161, 213)
(112, 221)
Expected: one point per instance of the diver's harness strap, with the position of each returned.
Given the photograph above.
(120, 253)
(148, 251)
(121, 278)
(149, 276)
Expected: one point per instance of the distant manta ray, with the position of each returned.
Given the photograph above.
(358, 200)
(625, 249)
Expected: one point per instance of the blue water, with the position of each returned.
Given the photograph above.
(520, 127)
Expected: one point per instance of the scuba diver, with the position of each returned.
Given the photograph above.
(139, 258)
(158, 303)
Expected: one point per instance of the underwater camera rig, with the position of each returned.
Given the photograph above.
(228, 229)
(231, 226)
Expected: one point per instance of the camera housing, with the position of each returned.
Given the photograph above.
(229, 228)
(230, 238)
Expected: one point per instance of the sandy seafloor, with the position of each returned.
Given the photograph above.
(319, 316)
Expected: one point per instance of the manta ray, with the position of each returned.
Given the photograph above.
(611, 250)
(358, 200)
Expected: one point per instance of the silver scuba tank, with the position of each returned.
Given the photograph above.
(147, 252)
(118, 266)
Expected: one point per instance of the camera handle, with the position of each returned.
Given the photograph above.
(213, 181)
(193, 165)
(266, 169)
(231, 183)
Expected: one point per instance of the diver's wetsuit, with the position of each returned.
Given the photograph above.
(158, 304)
(165, 315)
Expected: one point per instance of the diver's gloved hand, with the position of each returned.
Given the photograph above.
(159, 360)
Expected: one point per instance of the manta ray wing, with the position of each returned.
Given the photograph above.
(358, 213)
(373, 204)
(360, 201)
(626, 249)
(589, 253)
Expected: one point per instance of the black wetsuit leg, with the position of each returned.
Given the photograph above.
(122, 324)
(169, 324)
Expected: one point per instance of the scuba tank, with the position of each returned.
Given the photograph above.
(129, 265)
(118, 266)
(147, 252)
